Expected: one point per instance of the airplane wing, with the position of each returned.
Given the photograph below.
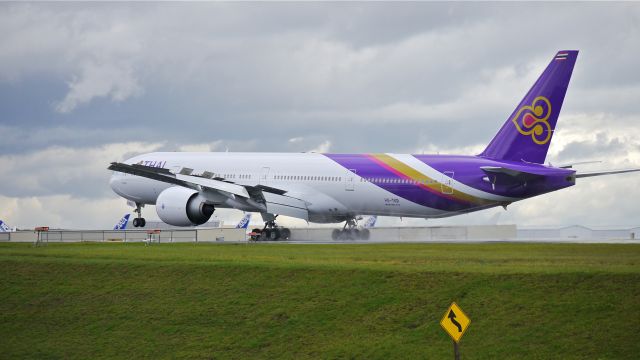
(267, 199)
(189, 181)
(600, 173)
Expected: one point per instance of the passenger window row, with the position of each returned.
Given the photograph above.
(307, 178)
(425, 181)
(399, 181)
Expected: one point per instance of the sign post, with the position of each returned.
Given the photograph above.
(455, 322)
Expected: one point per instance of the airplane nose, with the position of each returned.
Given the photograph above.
(115, 182)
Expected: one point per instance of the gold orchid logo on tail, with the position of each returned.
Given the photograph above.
(534, 120)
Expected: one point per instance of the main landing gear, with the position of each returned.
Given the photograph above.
(139, 221)
(271, 232)
(350, 231)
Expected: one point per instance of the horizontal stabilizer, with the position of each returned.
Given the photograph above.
(600, 173)
(569, 166)
(510, 173)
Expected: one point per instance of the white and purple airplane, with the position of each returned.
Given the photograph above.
(186, 187)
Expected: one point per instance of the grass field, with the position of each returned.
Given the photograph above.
(526, 301)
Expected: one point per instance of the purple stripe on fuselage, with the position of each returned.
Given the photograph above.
(437, 192)
(367, 168)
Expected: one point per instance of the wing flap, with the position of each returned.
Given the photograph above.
(234, 189)
(286, 205)
(284, 200)
(273, 208)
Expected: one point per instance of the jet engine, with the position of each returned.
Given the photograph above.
(179, 206)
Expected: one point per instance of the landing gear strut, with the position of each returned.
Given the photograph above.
(139, 221)
(271, 231)
(350, 231)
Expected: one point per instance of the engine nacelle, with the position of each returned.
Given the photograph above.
(179, 206)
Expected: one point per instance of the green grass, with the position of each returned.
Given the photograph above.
(530, 301)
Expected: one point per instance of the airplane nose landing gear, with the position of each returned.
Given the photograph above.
(139, 221)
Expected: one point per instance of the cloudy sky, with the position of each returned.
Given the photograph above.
(84, 84)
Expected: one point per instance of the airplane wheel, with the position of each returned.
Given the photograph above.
(285, 234)
(335, 234)
(364, 234)
(275, 234)
(143, 222)
(136, 222)
(355, 234)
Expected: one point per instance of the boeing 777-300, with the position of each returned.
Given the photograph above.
(186, 187)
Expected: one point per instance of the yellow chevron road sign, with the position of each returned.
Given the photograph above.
(455, 322)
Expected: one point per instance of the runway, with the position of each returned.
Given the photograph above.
(476, 241)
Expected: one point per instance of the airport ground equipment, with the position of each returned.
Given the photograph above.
(152, 236)
(42, 237)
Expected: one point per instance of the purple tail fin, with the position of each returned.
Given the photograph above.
(527, 133)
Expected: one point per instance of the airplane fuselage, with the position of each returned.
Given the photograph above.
(335, 187)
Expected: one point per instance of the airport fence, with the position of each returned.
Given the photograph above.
(158, 236)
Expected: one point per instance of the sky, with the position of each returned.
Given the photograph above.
(85, 84)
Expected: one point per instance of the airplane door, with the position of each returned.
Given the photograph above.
(264, 176)
(349, 180)
(447, 182)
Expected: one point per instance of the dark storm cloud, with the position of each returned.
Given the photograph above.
(210, 66)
